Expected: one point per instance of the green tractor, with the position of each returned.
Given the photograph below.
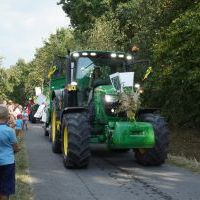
(84, 100)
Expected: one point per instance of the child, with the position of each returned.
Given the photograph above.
(8, 146)
(19, 126)
(25, 119)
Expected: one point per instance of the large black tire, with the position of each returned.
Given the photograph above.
(156, 155)
(75, 140)
(56, 143)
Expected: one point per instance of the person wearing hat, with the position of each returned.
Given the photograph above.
(8, 146)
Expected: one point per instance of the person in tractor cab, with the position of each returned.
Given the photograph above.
(98, 77)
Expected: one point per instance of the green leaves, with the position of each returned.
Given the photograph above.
(177, 55)
(4, 84)
(83, 13)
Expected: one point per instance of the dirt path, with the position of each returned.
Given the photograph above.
(110, 176)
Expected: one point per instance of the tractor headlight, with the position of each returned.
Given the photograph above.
(137, 85)
(113, 55)
(74, 83)
(76, 55)
(129, 57)
(111, 98)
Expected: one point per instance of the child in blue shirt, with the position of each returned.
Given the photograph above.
(19, 126)
(8, 146)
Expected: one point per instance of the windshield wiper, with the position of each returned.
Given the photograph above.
(88, 65)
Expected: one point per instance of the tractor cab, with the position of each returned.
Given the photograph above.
(91, 69)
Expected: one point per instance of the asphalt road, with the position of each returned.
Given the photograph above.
(110, 176)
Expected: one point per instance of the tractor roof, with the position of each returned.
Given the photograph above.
(97, 53)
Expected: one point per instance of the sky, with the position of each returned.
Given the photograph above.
(25, 24)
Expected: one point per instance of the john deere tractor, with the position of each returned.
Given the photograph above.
(85, 90)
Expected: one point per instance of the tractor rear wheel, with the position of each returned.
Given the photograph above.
(56, 145)
(75, 140)
(156, 155)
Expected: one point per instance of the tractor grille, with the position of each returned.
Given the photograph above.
(111, 110)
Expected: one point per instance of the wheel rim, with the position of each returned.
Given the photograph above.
(65, 141)
(53, 126)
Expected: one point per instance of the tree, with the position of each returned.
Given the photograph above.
(83, 13)
(104, 35)
(177, 75)
(17, 77)
(4, 84)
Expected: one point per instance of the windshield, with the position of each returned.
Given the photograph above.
(102, 67)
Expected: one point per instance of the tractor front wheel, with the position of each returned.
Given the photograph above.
(156, 155)
(75, 140)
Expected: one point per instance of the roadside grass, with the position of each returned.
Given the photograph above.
(23, 188)
(184, 149)
(181, 161)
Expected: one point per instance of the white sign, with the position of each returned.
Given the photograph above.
(121, 80)
(41, 99)
(38, 91)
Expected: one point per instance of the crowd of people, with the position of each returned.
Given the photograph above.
(13, 122)
(18, 117)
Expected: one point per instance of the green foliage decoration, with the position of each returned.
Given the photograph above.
(129, 102)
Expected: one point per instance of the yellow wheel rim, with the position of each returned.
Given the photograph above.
(65, 141)
(53, 126)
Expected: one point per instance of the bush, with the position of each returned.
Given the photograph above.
(176, 78)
